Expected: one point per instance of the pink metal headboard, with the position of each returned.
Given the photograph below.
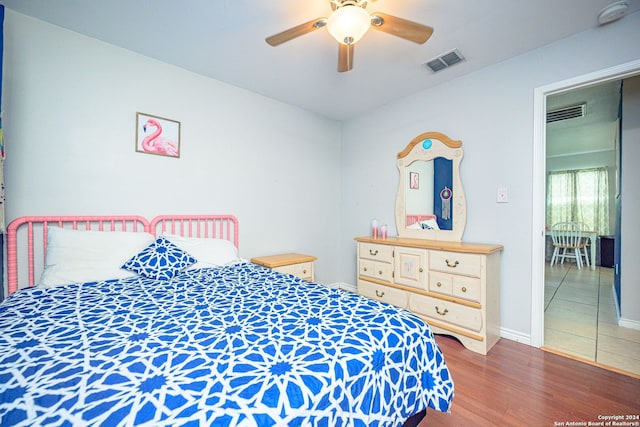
(413, 218)
(36, 231)
(204, 226)
(33, 229)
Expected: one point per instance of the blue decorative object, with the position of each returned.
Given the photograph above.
(239, 345)
(160, 260)
(426, 144)
(443, 178)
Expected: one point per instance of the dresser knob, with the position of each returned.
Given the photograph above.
(464, 289)
(439, 284)
(380, 272)
(372, 252)
(441, 313)
(379, 294)
(365, 268)
(420, 269)
(454, 265)
(304, 271)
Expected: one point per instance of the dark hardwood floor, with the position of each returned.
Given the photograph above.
(519, 385)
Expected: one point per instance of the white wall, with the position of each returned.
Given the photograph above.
(630, 199)
(69, 118)
(70, 105)
(491, 111)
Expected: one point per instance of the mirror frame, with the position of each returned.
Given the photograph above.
(441, 146)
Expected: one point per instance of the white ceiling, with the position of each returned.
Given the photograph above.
(224, 39)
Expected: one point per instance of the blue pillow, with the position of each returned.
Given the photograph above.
(160, 260)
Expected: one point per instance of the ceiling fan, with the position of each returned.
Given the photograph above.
(348, 22)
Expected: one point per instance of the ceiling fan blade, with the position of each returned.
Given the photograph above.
(399, 27)
(345, 57)
(296, 31)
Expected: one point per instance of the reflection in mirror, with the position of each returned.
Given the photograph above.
(431, 202)
(428, 194)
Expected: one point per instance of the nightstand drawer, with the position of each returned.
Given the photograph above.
(303, 270)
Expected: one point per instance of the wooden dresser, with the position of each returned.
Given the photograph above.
(454, 286)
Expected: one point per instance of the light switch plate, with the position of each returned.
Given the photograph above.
(502, 195)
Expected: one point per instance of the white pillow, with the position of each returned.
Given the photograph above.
(80, 272)
(208, 252)
(429, 224)
(78, 256)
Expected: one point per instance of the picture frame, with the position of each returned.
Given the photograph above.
(157, 135)
(414, 180)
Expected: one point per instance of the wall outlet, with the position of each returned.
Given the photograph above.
(502, 195)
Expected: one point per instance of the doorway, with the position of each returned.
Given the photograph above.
(539, 180)
(580, 317)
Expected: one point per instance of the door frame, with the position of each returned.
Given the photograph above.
(540, 94)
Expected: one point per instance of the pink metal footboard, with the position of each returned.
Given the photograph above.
(31, 232)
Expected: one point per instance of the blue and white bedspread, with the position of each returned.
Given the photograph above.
(238, 345)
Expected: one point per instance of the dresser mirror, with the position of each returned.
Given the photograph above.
(431, 202)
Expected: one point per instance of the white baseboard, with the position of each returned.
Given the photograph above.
(515, 336)
(629, 323)
(616, 302)
(625, 323)
(345, 286)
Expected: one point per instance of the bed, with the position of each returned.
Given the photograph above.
(217, 341)
(422, 221)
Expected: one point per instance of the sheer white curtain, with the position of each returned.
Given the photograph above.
(579, 195)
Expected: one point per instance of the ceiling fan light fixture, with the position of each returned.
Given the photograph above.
(348, 24)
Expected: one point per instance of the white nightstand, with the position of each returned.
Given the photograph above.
(300, 265)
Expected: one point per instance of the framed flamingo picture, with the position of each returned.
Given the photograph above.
(157, 135)
(414, 180)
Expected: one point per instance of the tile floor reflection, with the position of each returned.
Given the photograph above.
(580, 318)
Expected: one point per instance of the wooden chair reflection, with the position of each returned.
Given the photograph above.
(585, 243)
(568, 243)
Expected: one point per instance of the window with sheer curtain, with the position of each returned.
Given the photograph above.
(579, 195)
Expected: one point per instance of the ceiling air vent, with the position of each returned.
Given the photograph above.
(569, 112)
(445, 60)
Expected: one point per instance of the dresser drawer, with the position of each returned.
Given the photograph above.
(463, 287)
(466, 288)
(455, 263)
(376, 270)
(447, 312)
(304, 270)
(383, 293)
(440, 283)
(376, 252)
